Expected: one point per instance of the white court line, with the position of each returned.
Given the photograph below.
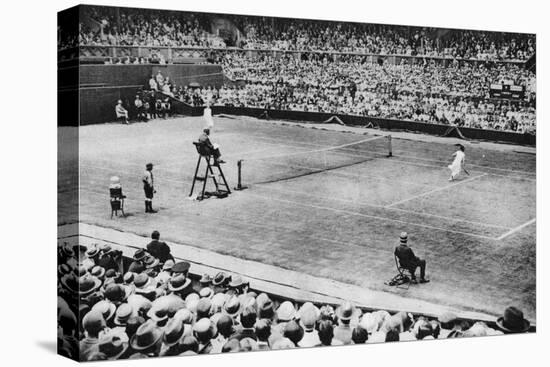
(384, 207)
(349, 212)
(352, 213)
(435, 190)
(518, 228)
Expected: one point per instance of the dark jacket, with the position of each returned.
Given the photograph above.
(160, 250)
(204, 139)
(405, 255)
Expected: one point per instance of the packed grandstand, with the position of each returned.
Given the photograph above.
(153, 305)
(443, 77)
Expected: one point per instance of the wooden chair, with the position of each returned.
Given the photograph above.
(117, 201)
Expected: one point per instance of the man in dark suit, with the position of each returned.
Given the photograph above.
(408, 260)
(204, 139)
(159, 249)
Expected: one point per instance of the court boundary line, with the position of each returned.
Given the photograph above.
(350, 212)
(385, 207)
(357, 213)
(516, 229)
(436, 190)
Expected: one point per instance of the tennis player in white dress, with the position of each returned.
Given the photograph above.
(458, 162)
(207, 115)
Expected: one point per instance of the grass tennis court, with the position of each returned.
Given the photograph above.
(330, 204)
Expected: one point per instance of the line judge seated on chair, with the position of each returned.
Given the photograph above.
(212, 149)
(408, 260)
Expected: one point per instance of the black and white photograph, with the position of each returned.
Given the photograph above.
(235, 183)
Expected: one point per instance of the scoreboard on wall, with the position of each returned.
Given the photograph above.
(508, 91)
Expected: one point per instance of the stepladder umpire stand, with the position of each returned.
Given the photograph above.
(220, 183)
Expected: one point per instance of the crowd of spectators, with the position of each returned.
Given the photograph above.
(148, 306)
(298, 34)
(146, 27)
(426, 92)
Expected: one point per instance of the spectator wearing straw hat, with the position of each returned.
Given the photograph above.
(148, 339)
(343, 331)
(159, 249)
(409, 260)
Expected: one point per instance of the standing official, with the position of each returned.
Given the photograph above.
(149, 188)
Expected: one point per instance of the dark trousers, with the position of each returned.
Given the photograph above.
(419, 263)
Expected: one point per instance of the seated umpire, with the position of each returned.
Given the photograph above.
(159, 249)
(408, 260)
(213, 148)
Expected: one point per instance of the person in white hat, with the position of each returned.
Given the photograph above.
(121, 112)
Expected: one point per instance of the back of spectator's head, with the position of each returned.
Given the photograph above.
(447, 320)
(189, 343)
(286, 312)
(283, 343)
(308, 318)
(326, 332)
(422, 328)
(225, 326)
(436, 328)
(155, 235)
(293, 331)
(93, 322)
(204, 306)
(248, 317)
(263, 329)
(392, 335)
(203, 330)
(359, 335)
(248, 344)
(231, 346)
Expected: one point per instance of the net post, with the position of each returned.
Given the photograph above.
(239, 175)
(390, 153)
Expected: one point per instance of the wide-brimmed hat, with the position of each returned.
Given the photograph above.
(173, 332)
(157, 314)
(178, 283)
(147, 335)
(116, 293)
(112, 346)
(139, 255)
(346, 311)
(513, 321)
(206, 292)
(168, 264)
(219, 279)
(184, 315)
(236, 281)
(204, 306)
(181, 267)
(92, 251)
(403, 237)
(205, 279)
(142, 281)
(93, 321)
(128, 278)
(286, 311)
(106, 308)
(151, 262)
(98, 271)
(232, 306)
(123, 314)
(204, 327)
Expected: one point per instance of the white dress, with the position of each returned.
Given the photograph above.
(457, 163)
(207, 115)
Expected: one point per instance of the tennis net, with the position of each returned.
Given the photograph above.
(312, 158)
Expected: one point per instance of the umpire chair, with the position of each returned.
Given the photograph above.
(222, 188)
